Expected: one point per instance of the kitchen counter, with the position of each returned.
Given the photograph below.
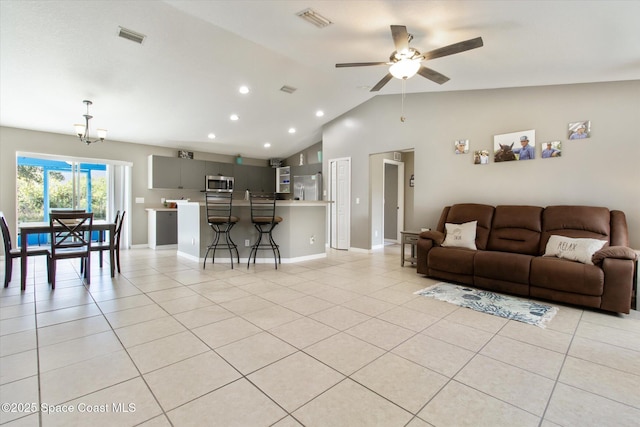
(301, 235)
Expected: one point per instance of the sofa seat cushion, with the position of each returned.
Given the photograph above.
(502, 266)
(567, 276)
(452, 260)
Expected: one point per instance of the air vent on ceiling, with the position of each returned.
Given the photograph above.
(288, 89)
(131, 35)
(314, 17)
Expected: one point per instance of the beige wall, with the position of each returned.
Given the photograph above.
(13, 140)
(602, 170)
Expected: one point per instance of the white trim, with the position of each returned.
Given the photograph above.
(74, 158)
(265, 260)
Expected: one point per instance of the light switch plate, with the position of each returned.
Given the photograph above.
(139, 199)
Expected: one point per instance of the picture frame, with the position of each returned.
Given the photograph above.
(551, 149)
(519, 145)
(461, 146)
(481, 157)
(579, 130)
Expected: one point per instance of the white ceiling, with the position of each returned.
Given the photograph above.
(182, 82)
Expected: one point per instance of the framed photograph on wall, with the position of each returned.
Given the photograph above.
(514, 146)
(551, 149)
(462, 146)
(579, 130)
(481, 157)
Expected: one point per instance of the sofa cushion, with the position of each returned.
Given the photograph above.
(466, 212)
(505, 266)
(575, 221)
(516, 229)
(566, 276)
(461, 235)
(580, 250)
(454, 260)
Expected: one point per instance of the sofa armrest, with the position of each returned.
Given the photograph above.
(436, 236)
(616, 252)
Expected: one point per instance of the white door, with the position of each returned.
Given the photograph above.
(340, 186)
(393, 199)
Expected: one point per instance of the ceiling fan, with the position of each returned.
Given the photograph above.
(405, 61)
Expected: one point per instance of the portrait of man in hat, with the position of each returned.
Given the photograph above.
(579, 130)
(526, 150)
(514, 146)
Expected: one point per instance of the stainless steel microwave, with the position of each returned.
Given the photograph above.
(220, 184)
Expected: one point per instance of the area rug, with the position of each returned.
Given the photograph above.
(506, 306)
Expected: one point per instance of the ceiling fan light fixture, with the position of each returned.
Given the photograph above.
(405, 68)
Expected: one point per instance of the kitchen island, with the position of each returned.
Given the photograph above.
(301, 235)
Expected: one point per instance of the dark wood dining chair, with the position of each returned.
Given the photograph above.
(11, 253)
(103, 245)
(70, 238)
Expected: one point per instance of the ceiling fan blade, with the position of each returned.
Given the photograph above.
(454, 48)
(400, 37)
(381, 83)
(359, 64)
(432, 75)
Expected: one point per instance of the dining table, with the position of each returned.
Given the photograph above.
(27, 228)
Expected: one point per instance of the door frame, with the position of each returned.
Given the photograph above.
(400, 192)
(333, 203)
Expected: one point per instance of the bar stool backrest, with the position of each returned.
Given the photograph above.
(218, 207)
(263, 207)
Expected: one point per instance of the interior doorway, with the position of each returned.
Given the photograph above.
(392, 200)
(340, 206)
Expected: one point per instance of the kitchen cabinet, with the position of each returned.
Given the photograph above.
(283, 180)
(257, 179)
(162, 227)
(175, 172)
(217, 168)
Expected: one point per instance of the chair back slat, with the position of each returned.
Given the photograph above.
(263, 207)
(6, 236)
(70, 230)
(218, 206)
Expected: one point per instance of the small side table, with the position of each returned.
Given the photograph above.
(635, 302)
(408, 238)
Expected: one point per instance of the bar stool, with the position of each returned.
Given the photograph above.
(264, 219)
(221, 221)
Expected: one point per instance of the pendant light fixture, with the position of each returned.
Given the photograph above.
(82, 130)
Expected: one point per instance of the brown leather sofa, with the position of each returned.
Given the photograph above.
(510, 242)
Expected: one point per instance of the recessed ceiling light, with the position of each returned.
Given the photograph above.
(267, 145)
(234, 117)
(211, 136)
(292, 130)
(243, 89)
(319, 113)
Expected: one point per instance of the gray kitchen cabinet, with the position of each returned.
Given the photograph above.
(163, 227)
(220, 169)
(175, 172)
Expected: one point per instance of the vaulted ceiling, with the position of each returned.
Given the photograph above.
(181, 84)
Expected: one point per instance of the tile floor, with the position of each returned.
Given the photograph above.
(340, 341)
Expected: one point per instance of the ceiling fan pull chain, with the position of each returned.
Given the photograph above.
(402, 118)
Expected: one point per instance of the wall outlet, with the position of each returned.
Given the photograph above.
(357, 200)
(375, 233)
(139, 199)
(247, 243)
(312, 240)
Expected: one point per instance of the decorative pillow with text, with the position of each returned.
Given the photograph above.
(580, 250)
(461, 235)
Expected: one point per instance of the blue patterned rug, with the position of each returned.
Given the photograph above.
(509, 307)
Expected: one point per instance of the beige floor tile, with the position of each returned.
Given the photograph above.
(335, 295)
(247, 304)
(393, 296)
(475, 319)
(19, 310)
(458, 334)
(181, 305)
(271, 317)
(203, 316)
(128, 403)
(344, 352)
(76, 350)
(442, 357)
(159, 421)
(287, 422)
(151, 330)
(615, 336)
(303, 332)
(417, 422)
(526, 356)
(55, 303)
(225, 331)
(17, 343)
(255, 352)
(279, 296)
(67, 314)
(601, 380)
(405, 383)
(462, 406)
(617, 321)
(606, 354)
(118, 304)
(408, 318)
(307, 305)
(171, 294)
(566, 319)
(17, 324)
(430, 306)
(238, 404)
(189, 379)
(121, 291)
(349, 404)
(18, 366)
(295, 380)
(223, 295)
(260, 286)
(131, 316)
(369, 306)
(380, 333)
(545, 338)
(71, 330)
(160, 284)
(70, 382)
(340, 318)
(571, 406)
(165, 351)
(516, 386)
(24, 391)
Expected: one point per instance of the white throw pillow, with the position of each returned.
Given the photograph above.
(574, 249)
(461, 235)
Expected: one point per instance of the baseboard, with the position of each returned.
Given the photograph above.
(266, 260)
